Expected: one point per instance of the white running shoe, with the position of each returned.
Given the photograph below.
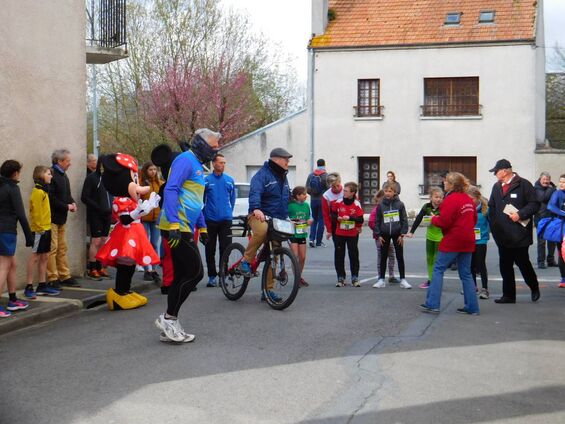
(163, 337)
(171, 328)
(405, 284)
(139, 268)
(380, 284)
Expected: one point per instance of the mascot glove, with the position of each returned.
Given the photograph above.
(143, 208)
(154, 200)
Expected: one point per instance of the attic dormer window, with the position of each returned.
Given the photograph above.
(486, 17)
(453, 18)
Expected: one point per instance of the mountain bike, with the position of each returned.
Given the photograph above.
(280, 277)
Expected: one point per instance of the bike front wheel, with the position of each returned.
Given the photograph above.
(281, 278)
(232, 282)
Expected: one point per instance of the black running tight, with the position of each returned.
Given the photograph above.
(188, 271)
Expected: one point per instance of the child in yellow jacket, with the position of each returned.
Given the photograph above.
(40, 223)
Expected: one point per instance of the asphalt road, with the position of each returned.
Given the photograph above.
(336, 355)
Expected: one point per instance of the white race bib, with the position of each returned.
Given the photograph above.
(347, 225)
(477, 233)
(391, 216)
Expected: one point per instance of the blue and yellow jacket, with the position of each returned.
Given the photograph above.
(183, 195)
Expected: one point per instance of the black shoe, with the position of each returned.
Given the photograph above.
(504, 299)
(466, 311)
(541, 265)
(55, 284)
(535, 295)
(70, 282)
(552, 263)
(147, 276)
(156, 277)
(453, 267)
(194, 288)
(311, 243)
(164, 289)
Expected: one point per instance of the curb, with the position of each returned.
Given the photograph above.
(51, 309)
(42, 313)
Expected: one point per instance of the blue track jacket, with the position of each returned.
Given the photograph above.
(219, 197)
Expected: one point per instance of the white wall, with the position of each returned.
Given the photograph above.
(507, 129)
(42, 100)
(253, 150)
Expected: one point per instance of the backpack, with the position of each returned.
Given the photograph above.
(315, 186)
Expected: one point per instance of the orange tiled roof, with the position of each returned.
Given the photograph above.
(412, 22)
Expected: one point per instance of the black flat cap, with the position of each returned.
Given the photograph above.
(501, 164)
(279, 152)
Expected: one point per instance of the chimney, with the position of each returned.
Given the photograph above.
(319, 16)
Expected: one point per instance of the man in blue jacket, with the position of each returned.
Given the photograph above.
(269, 194)
(219, 201)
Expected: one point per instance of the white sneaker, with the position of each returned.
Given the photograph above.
(405, 284)
(163, 337)
(380, 284)
(171, 328)
(139, 268)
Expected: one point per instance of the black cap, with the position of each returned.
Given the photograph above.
(500, 164)
(279, 152)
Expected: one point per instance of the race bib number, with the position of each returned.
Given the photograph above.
(347, 225)
(391, 216)
(477, 233)
(427, 219)
(301, 228)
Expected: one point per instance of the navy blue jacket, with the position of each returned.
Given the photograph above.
(219, 197)
(269, 193)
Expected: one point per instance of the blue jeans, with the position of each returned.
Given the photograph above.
(317, 228)
(154, 236)
(443, 261)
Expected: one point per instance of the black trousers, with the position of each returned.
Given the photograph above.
(351, 243)
(550, 250)
(124, 274)
(479, 265)
(188, 271)
(217, 231)
(399, 250)
(519, 256)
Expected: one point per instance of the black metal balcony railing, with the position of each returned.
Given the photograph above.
(108, 24)
(451, 110)
(368, 111)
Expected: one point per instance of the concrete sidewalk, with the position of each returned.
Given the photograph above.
(71, 301)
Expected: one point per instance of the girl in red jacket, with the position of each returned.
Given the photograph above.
(349, 221)
(457, 219)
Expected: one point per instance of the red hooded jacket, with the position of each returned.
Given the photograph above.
(457, 219)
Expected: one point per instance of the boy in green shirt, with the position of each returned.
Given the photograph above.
(299, 213)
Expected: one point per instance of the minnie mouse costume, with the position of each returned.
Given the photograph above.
(127, 245)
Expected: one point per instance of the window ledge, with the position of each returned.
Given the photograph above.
(451, 117)
(368, 118)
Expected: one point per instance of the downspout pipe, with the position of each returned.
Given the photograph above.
(311, 70)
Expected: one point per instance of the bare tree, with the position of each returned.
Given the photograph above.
(191, 64)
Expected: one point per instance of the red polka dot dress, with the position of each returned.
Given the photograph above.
(127, 241)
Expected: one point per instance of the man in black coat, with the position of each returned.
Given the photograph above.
(512, 205)
(61, 202)
(544, 189)
(98, 217)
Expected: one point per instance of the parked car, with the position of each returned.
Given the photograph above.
(242, 199)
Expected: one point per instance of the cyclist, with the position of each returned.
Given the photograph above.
(269, 195)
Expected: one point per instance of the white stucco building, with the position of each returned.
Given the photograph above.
(43, 84)
(420, 87)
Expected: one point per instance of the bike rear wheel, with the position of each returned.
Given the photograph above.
(285, 279)
(232, 282)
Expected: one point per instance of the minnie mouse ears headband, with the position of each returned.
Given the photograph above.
(116, 162)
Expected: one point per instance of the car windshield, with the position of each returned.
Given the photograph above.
(242, 191)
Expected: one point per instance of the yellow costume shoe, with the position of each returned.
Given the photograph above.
(142, 299)
(115, 301)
